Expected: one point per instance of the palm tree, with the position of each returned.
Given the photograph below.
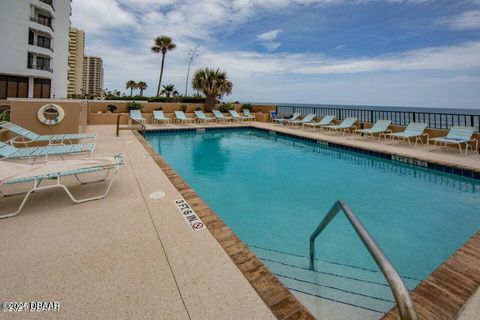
(162, 45)
(213, 83)
(142, 85)
(169, 90)
(131, 85)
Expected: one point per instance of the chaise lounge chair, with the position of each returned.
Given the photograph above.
(159, 116)
(457, 135)
(220, 117)
(248, 115)
(14, 173)
(307, 119)
(180, 118)
(347, 125)
(33, 153)
(380, 127)
(292, 118)
(202, 117)
(29, 136)
(413, 130)
(327, 120)
(236, 117)
(137, 116)
(274, 116)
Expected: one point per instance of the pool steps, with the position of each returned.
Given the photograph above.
(353, 286)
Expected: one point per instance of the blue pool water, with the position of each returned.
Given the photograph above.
(274, 190)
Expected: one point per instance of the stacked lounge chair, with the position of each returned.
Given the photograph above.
(380, 127)
(33, 153)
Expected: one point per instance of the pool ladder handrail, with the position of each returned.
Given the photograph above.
(144, 127)
(399, 290)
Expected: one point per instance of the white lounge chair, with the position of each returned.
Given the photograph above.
(413, 130)
(220, 117)
(33, 153)
(28, 136)
(202, 117)
(137, 116)
(181, 118)
(457, 135)
(14, 173)
(347, 125)
(307, 119)
(159, 116)
(327, 120)
(236, 117)
(248, 115)
(380, 127)
(292, 118)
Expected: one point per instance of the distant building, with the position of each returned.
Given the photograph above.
(76, 49)
(93, 76)
(34, 48)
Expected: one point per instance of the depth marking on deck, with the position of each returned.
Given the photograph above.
(191, 218)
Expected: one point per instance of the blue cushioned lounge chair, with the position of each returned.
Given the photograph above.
(458, 135)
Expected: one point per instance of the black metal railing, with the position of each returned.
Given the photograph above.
(42, 22)
(436, 120)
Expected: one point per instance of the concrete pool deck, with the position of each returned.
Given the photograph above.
(129, 256)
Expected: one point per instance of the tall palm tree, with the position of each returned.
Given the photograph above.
(169, 90)
(142, 85)
(162, 45)
(213, 83)
(132, 85)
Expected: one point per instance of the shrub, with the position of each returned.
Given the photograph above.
(224, 107)
(177, 99)
(183, 107)
(111, 108)
(134, 106)
(198, 108)
(140, 98)
(159, 108)
(247, 106)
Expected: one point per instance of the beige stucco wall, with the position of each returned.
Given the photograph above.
(24, 113)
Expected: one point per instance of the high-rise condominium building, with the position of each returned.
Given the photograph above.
(93, 76)
(34, 48)
(76, 48)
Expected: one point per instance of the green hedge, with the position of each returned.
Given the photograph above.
(161, 99)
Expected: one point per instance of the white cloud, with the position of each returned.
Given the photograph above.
(269, 36)
(469, 20)
(271, 46)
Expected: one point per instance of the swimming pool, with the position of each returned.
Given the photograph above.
(273, 191)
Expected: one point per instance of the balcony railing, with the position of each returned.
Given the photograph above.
(41, 45)
(42, 22)
(49, 2)
(42, 68)
(435, 120)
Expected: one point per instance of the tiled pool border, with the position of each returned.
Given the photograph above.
(440, 296)
(445, 168)
(282, 303)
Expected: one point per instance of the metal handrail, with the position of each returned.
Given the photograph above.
(400, 292)
(144, 128)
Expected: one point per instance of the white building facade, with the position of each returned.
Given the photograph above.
(34, 36)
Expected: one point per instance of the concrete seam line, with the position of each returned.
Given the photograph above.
(158, 234)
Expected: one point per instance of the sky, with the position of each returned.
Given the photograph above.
(419, 53)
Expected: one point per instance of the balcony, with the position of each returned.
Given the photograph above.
(42, 22)
(49, 2)
(42, 68)
(41, 45)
